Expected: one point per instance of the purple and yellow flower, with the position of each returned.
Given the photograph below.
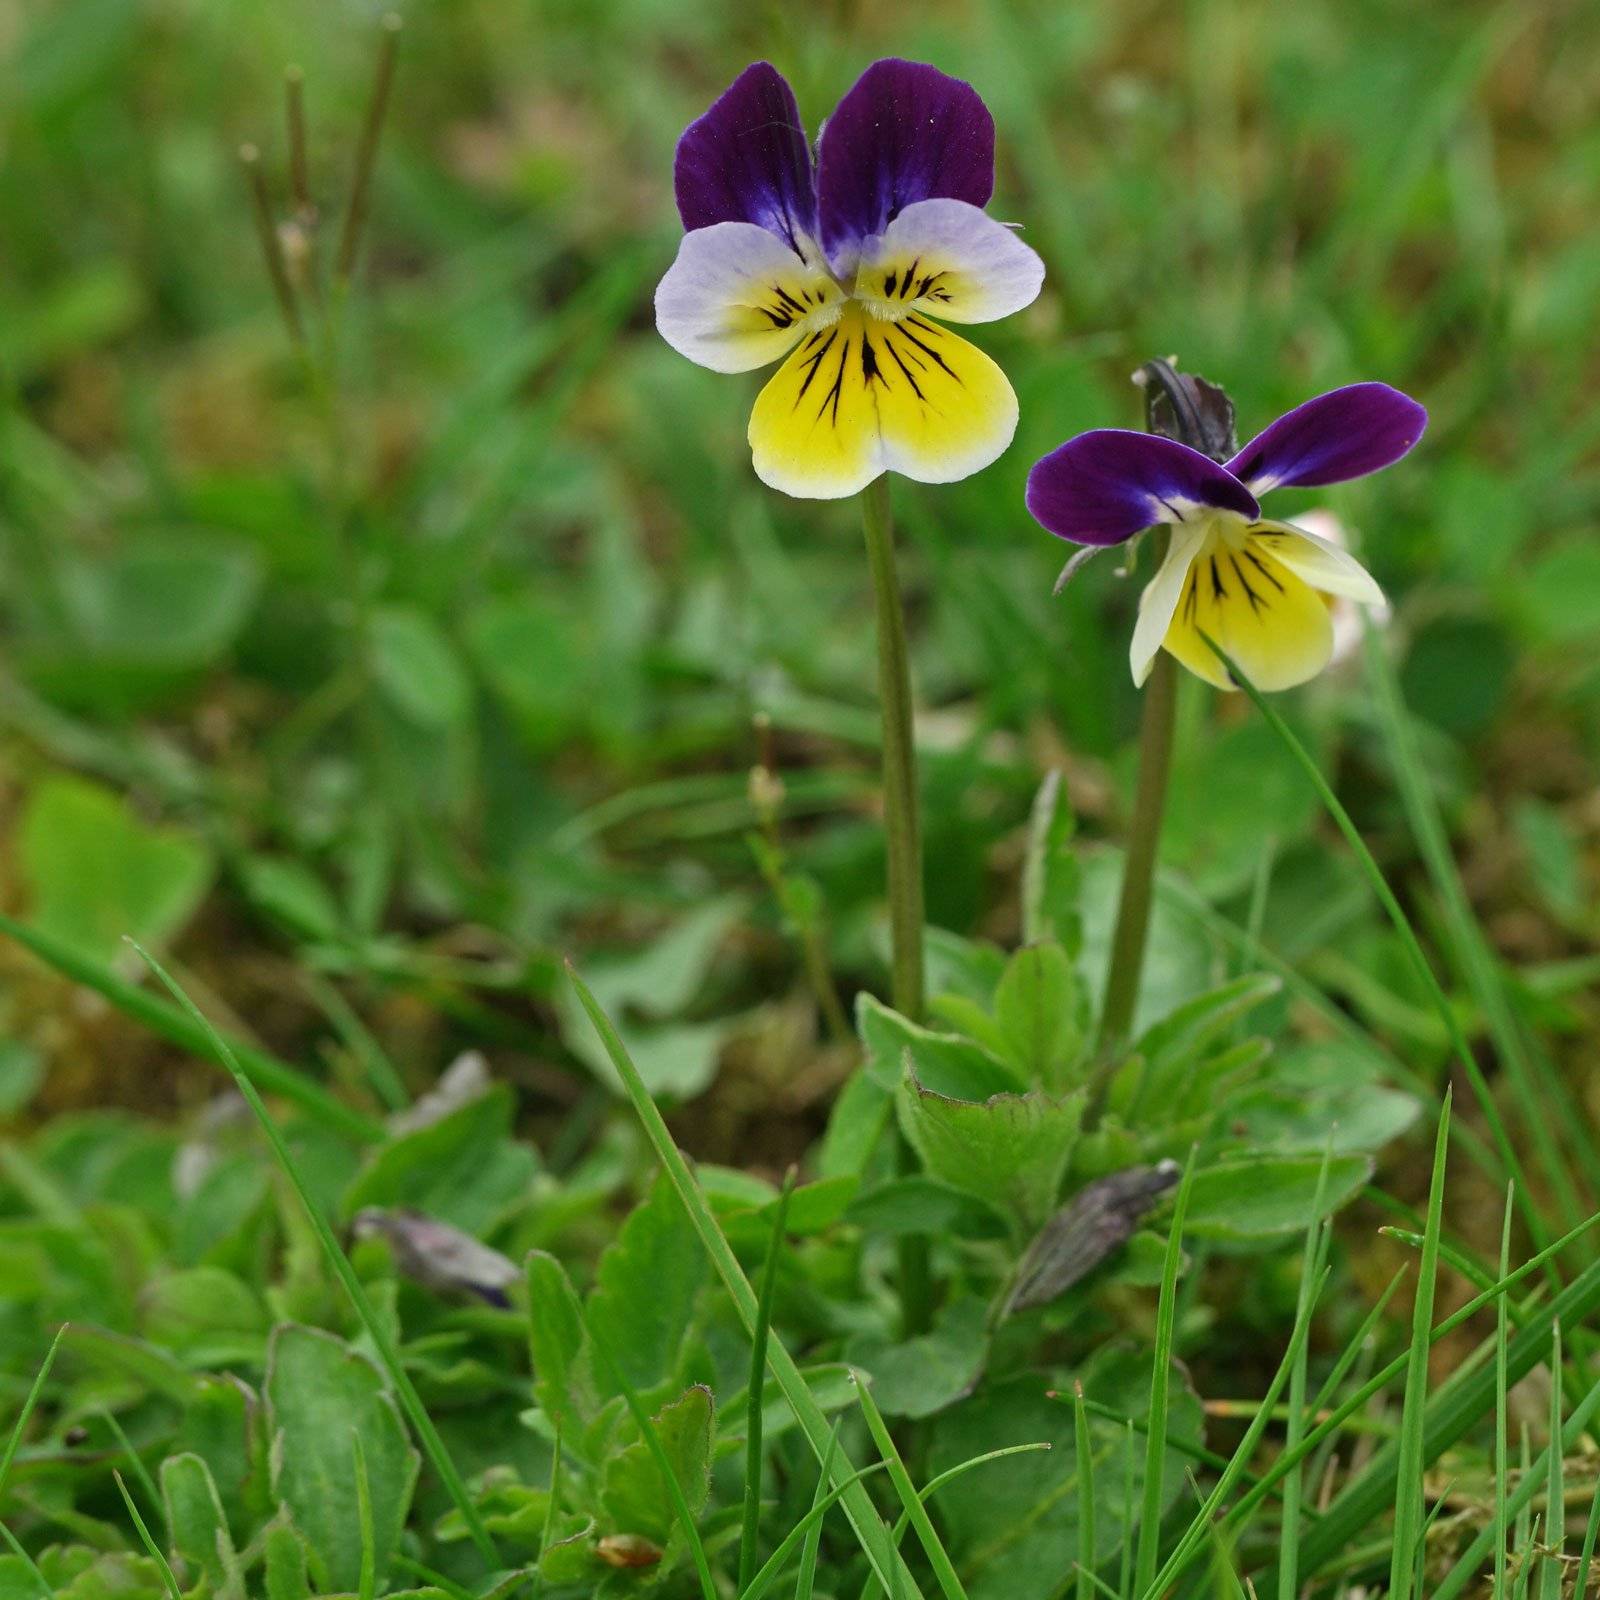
(846, 267)
(1258, 588)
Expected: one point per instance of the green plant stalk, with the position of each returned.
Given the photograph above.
(1410, 1462)
(1156, 724)
(410, 1401)
(751, 1530)
(806, 1578)
(1555, 1498)
(1510, 1164)
(874, 1538)
(172, 1024)
(902, 826)
(1581, 1586)
(903, 842)
(367, 1580)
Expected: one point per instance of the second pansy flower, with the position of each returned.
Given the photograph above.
(847, 266)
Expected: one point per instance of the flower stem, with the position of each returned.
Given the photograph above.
(903, 836)
(1144, 837)
(901, 826)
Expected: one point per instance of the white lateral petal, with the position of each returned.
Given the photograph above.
(738, 297)
(950, 260)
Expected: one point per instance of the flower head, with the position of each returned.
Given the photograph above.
(847, 266)
(1257, 587)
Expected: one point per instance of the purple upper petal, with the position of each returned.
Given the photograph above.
(747, 160)
(905, 132)
(1343, 434)
(1103, 487)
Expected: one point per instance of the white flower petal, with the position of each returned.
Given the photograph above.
(1159, 601)
(1322, 563)
(738, 297)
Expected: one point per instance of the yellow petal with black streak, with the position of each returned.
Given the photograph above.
(869, 395)
(1272, 623)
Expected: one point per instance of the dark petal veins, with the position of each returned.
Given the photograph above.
(905, 132)
(1103, 487)
(1343, 434)
(747, 160)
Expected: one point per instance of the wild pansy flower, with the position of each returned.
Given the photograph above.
(1259, 588)
(847, 265)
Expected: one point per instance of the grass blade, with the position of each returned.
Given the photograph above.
(938, 1557)
(15, 1546)
(1155, 1444)
(1533, 1477)
(1085, 1456)
(173, 1024)
(1581, 1587)
(1408, 1503)
(874, 1537)
(751, 1530)
(1533, 1089)
(1555, 1499)
(28, 1406)
(149, 1543)
(367, 1579)
(806, 1579)
(1501, 1390)
(1511, 1166)
(405, 1391)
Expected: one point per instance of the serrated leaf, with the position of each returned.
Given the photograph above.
(1010, 1150)
(634, 1493)
(562, 1379)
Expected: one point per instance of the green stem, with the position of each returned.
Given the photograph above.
(1144, 838)
(901, 826)
(903, 836)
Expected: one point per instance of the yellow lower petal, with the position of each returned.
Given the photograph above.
(1272, 623)
(868, 396)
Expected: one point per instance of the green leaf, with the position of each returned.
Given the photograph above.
(219, 1425)
(319, 1395)
(1039, 1007)
(1051, 878)
(1010, 1150)
(21, 1073)
(1256, 1195)
(944, 1062)
(646, 1284)
(635, 1496)
(198, 1527)
(418, 668)
(463, 1169)
(563, 1381)
(206, 1315)
(569, 1558)
(284, 1557)
(1013, 1525)
(916, 1204)
(856, 1123)
(292, 895)
(921, 1376)
(96, 873)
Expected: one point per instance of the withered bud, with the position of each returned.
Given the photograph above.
(438, 1256)
(1188, 409)
(1097, 1221)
